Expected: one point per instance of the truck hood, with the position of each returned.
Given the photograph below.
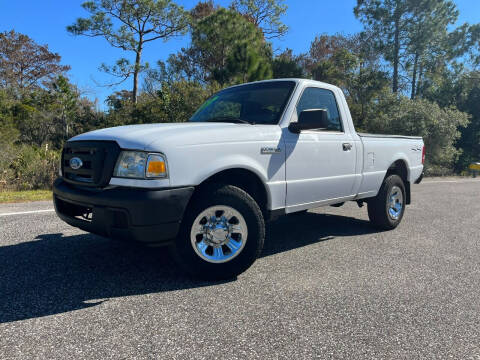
(158, 137)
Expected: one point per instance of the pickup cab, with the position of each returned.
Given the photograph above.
(250, 153)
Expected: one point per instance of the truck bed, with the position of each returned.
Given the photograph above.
(381, 152)
(389, 136)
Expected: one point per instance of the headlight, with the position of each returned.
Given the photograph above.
(140, 165)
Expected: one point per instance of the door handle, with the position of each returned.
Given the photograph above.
(347, 146)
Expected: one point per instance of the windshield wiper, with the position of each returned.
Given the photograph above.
(229, 119)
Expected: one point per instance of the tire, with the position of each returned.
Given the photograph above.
(199, 248)
(386, 210)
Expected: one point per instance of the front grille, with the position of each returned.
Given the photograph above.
(98, 161)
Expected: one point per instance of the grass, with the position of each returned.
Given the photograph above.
(22, 196)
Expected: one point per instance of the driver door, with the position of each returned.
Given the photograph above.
(320, 166)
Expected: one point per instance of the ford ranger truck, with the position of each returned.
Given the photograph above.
(250, 153)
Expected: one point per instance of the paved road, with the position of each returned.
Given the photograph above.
(327, 286)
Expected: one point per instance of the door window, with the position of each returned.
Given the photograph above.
(316, 98)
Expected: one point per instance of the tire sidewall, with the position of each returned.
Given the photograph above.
(391, 181)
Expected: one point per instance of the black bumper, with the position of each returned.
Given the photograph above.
(149, 216)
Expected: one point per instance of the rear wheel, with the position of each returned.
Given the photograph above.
(221, 235)
(387, 208)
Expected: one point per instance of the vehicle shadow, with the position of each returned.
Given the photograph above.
(55, 273)
(303, 229)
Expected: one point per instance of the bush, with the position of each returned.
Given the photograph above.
(438, 126)
(29, 168)
(172, 102)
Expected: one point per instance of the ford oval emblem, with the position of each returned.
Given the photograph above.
(75, 163)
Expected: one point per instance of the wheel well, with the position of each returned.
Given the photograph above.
(244, 179)
(399, 168)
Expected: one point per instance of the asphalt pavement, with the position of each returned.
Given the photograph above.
(327, 286)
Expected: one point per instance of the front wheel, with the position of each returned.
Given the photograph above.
(387, 208)
(222, 233)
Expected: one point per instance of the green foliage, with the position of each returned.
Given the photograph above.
(363, 89)
(389, 20)
(23, 166)
(8, 136)
(408, 47)
(180, 100)
(337, 69)
(438, 127)
(413, 36)
(34, 168)
(286, 66)
(33, 128)
(469, 101)
(350, 63)
(171, 102)
(226, 48)
(245, 65)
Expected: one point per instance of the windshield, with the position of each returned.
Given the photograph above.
(260, 103)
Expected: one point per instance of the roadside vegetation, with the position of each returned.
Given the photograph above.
(21, 196)
(412, 70)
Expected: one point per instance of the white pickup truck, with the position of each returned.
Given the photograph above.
(250, 153)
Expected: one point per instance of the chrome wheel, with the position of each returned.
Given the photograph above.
(395, 203)
(219, 234)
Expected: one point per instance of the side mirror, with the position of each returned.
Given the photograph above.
(309, 120)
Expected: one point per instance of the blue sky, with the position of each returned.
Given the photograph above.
(45, 21)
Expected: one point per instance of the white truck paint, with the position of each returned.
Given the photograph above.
(291, 146)
(311, 169)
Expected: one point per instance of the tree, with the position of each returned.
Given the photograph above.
(286, 65)
(245, 64)
(51, 114)
(337, 69)
(66, 100)
(265, 14)
(8, 137)
(462, 90)
(24, 64)
(130, 25)
(167, 102)
(350, 62)
(414, 36)
(430, 45)
(390, 21)
(224, 46)
(473, 36)
(439, 127)
(324, 46)
(202, 10)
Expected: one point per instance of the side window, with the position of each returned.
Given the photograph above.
(316, 98)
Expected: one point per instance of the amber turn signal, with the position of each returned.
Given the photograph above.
(156, 167)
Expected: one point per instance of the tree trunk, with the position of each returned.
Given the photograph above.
(418, 89)
(396, 52)
(362, 100)
(136, 71)
(414, 77)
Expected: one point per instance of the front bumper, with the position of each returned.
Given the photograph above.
(149, 216)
